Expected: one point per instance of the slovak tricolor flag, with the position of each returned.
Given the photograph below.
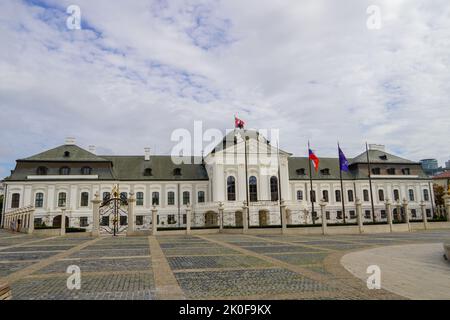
(314, 160)
(238, 123)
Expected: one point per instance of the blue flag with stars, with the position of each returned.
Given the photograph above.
(343, 162)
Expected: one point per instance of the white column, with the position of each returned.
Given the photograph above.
(324, 218)
(424, 214)
(244, 217)
(241, 184)
(221, 208)
(131, 207)
(188, 219)
(359, 215)
(389, 213)
(95, 215)
(405, 210)
(154, 220)
(63, 221)
(283, 216)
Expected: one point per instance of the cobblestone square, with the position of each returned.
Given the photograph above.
(211, 266)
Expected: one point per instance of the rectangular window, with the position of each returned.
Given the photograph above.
(414, 213)
(104, 221)
(313, 195)
(366, 195)
(327, 214)
(39, 201)
(84, 222)
(367, 214)
(339, 214)
(106, 196)
(391, 171)
(411, 195)
(300, 195)
(84, 199)
(155, 198)
(184, 218)
(201, 196)
(426, 195)
(352, 214)
(376, 171)
(383, 214)
(123, 220)
(186, 197)
(37, 222)
(62, 199)
(15, 200)
(350, 195)
(337, 195)
(428, 211)
(139, 220)
(171, 219)
(140, 199)
(171, 198)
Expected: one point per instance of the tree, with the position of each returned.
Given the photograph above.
(439, 192)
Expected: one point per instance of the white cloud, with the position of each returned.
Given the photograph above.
(311, 68)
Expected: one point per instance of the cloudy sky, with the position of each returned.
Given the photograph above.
(137, 70)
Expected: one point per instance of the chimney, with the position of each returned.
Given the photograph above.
(379, 147)
(69, 141)
(92, 149)
(147, 154)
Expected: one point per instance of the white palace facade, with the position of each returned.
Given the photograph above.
(236, 171)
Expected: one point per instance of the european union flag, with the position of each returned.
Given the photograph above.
(343, 162)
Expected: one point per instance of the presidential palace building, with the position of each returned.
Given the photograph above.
(244, 169)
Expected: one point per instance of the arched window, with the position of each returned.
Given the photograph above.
(381, 195)
(155, 198)
(84, 199)
(350, 195)
(15, 200)
(366, 195)
(253, 189)
(231, 188)
(171, 198)
(42, 171)
(426, 195)
(139, 198)
(62, 197)
(201, 197)
(39, 200)
(86, 170)
(396, 195)
(325, 195)
(186, 197)
(64, 171)
(411, 194)
(300, 195)
(274, 188)
(337, 194)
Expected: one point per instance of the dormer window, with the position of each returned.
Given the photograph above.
(300, 172)
(391, 171)
(66, 154)
(42, 171)
(86, 170)
(383, 157)
(325, 172)
(177, 172)
(406, 171)
(376, 171)
(65, 171)
(148, 172)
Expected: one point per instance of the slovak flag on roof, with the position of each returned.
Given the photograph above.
(238, 123)
(314, 160)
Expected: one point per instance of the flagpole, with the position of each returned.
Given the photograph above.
(342, 184)
(312, 190)
(246, 179)
(279, 181)
(370, 183)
